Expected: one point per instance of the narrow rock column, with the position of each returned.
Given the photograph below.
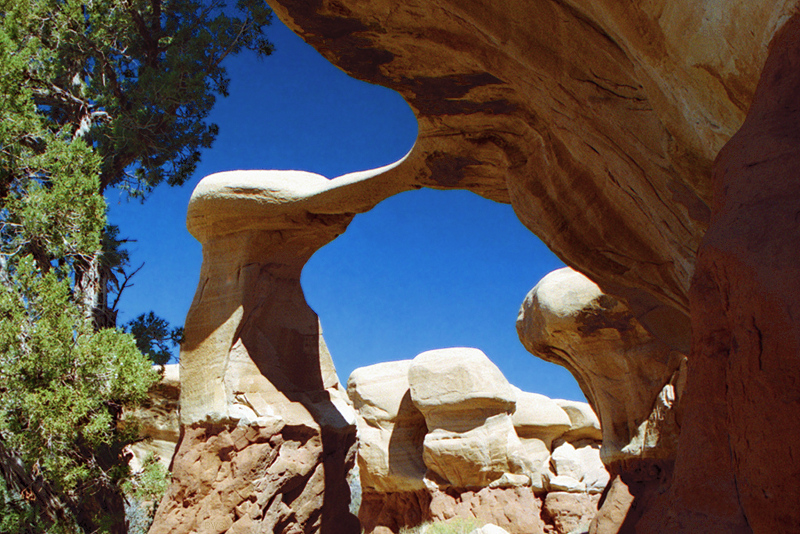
(267, 434)
(738, 463)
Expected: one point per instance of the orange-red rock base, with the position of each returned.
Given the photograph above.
(242, 479)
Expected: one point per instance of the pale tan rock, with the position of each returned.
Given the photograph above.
(566, 461)
(477, 457)
(457, 389)
(254, 354)
(489, 529)
(620, 367)
(565, 483)
(158, 420)
(539, 417)
(390, 428)
(580, 463)
(584, 423)
(537, 454)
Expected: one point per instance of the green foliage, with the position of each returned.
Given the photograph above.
(93, 94)
(135, 78)
(456, 525)
(154, 337)
(64, 385)
(144, 491)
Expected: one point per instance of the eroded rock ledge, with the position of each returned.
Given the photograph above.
(598, 121)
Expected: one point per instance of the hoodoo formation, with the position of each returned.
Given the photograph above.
(654, 146)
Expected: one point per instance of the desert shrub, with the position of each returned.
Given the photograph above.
(456, 525)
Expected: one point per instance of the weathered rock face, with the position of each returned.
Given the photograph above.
(738, 464)
(597, 120)
(481, 448)
(158, 420)
(390, 428)
(263, 416)
(629, 377)
(633, 380)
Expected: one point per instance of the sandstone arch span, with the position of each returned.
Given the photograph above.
(600, 123)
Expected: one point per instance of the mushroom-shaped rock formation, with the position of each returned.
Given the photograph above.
(620, 366)
(467, 404)
(486, 445)
(268, 435)
(600, 122)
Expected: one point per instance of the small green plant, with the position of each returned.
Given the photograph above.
(455, 525)
(143, 492)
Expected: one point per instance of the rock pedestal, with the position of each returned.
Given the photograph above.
(267, 433)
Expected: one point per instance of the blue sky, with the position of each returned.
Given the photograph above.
(423, 270)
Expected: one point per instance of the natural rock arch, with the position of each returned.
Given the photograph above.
(599, 122)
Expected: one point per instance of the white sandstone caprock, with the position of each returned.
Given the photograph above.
(457, 389)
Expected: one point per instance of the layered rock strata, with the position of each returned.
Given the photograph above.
(158, 420)
(738, 463)
(445, 435)
(268, 436)
(598, 121)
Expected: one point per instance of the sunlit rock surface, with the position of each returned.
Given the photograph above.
(268, 435)
(480, 448)
(620, 366)
(597, 120)
(158, 420)
(600, 122)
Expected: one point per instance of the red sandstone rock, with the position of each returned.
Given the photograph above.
(517, 510)
(566, 512)
(738, 465)
(242, 479)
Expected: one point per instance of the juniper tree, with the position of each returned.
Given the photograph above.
(93, 94)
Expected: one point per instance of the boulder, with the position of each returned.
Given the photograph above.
(477, 457)
(583, 422)
(390, 428)
(487, 471)
(467, 403)
(457, 389)
(539, 417)
(576, 467)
